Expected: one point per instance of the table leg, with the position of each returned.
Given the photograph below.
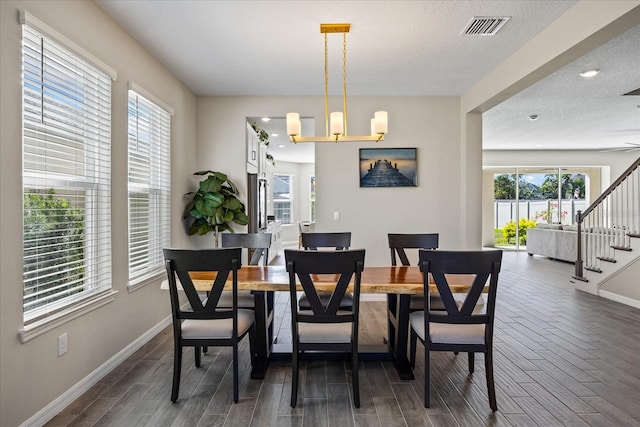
(264, 333)
(392, 306)
(401, 337)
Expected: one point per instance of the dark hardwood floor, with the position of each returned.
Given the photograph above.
(562, 358)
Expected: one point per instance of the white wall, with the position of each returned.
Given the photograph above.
(31, 374)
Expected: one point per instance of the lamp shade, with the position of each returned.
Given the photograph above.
(380, 118)
(293, 124)
(337, 127)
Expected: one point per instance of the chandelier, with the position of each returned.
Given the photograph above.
(336, 127)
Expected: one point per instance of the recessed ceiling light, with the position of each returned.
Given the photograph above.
(590, 73)
(281, 146)
(539, 145)
(275, 134)
(266, 119)
(533, 117)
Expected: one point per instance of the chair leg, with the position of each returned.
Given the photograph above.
(235, 373)
(491, 389)
(355, 377)
(413, 342)
(177, 366)
(471, 362)
(427, 376)
(252, 344)
(198, 356)
(294, 376)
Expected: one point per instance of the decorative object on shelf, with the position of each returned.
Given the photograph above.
(270, 159)
(388, 167)
(263, 137)
(336, 129)
(215, 206)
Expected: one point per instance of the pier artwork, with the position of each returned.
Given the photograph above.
(384, 174)
(388, 167)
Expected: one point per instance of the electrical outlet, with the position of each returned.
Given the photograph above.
(336, 216)
(63, 345)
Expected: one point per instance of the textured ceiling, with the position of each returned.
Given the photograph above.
(412, 48)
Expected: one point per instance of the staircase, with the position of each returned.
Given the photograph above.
(608, 250)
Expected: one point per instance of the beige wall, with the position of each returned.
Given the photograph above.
(429, 123)
(31, 374)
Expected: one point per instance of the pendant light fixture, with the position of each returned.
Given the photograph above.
(336, 122)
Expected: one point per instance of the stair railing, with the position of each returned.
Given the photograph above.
(609, 223)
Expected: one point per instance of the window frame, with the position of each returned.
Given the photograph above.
(290, 200)
(56, 155)
(157, 185)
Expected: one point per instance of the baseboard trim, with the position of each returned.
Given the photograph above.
(65, 399)
(619, 298)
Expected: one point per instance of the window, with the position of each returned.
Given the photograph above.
(312, 198)
(65, 176)
(282, 198)
(149, 187)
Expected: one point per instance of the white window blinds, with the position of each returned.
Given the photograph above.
(66, 176)
(149, 186)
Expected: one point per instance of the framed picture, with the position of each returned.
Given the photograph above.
(388, 167)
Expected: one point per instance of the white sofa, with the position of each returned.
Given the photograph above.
(555, 241)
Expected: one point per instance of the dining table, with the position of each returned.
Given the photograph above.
(400, 281)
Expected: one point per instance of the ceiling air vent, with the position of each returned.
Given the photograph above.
(485, 25)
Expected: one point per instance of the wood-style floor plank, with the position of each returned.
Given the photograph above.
(561, 358)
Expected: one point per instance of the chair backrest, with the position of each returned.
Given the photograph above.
(337, 241)
(337, 268)
(180, 262)
(257, 245)
(399, 242)
(444, 265)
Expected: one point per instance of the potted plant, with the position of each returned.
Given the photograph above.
(215, 206)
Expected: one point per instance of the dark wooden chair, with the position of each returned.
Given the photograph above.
(327, 241)
(324, 327)
(398, 244)
(206, 324)
(257, 245)
(460, 327)
(337, 241)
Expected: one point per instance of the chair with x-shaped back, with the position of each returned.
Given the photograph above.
(206, 324)
(324, 326)
(460, 327)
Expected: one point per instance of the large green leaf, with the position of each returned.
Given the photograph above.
(210, 185)
(232, 204)
(241, 218)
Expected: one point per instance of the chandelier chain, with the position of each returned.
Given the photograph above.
(344, 81)
(326, 85)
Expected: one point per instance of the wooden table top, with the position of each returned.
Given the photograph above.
(376, 280)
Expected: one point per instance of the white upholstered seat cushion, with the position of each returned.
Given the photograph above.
(325, 332)
(245, 299)
(446, 333)
(216, 328)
